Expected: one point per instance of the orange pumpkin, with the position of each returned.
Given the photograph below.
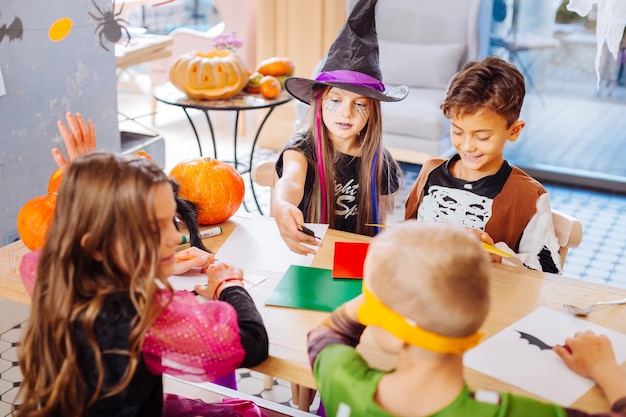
(143, 154)
(275, 66)
(55, 181)
(213, 75)
(270, 87)
(215, 187)
(34, 219)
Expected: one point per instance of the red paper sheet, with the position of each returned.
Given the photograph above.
(349, 259)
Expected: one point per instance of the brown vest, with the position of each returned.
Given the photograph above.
(512, 208)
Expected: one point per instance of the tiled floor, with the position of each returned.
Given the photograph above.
(600, 258)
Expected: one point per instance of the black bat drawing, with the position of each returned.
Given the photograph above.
(532, 340)
(14, 31)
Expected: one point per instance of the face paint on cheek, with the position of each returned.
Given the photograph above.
(330, 106)
(362, 111)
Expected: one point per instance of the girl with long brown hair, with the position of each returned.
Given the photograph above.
(337, 171)
(101, 329)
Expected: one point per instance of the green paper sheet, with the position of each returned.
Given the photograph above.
(310, 288)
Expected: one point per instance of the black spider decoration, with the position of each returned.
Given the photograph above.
(110, 24)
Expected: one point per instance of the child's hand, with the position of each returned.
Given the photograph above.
(290, 221)
(592, 356)
(484, 237)
(80, 141)
(587, 354)
(220, 276)
(192, 258)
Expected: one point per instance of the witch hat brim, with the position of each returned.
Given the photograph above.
(303, 88)
(352, 61)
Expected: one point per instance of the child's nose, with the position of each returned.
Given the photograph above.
(467, 142)
(346, 109)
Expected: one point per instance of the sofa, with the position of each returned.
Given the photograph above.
(422, 44)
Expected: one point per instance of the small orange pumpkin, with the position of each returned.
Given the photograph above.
(270, 87)
(215, 187)
(275, 66)
(34, 218)
(55, 181)
(143, 154)
(213, 75)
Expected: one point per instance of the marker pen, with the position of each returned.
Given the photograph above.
(214, 231)
(309, 232)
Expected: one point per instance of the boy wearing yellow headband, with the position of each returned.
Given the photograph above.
(425, 297)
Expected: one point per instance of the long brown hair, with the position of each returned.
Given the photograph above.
(103, 240)
(371, 144)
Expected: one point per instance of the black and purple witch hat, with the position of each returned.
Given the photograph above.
(352, 61)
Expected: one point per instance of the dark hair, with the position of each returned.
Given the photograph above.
(492, 85)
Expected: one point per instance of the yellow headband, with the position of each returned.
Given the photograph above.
(374, 313)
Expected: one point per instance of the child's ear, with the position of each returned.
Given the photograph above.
(516, 130)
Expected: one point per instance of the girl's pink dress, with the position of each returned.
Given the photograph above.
(197, 341)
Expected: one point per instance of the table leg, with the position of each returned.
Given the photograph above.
(256, 138)
(208, 121)
(235, 134)
(236, 160)
(195, 132)
(302, 396)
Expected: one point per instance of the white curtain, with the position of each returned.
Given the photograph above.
(609, 26)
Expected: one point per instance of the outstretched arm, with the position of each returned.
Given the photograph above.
(78, 139)
(288, 193)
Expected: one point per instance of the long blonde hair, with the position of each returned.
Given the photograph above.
(374, 159)
(103, 240)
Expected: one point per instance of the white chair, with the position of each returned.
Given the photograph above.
(568, 230)
(183, 40)
(264, 174)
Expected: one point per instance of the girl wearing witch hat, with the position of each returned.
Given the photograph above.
(337, 170)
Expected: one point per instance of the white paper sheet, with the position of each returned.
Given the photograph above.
(256, 244)
(3, 89)
(514, 360)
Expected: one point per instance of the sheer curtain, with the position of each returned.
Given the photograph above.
(611, 19)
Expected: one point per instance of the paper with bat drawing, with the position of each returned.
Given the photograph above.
(521, 355)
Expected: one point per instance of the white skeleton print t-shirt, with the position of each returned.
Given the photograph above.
(513, 208)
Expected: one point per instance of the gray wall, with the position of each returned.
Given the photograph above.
(43, 80)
